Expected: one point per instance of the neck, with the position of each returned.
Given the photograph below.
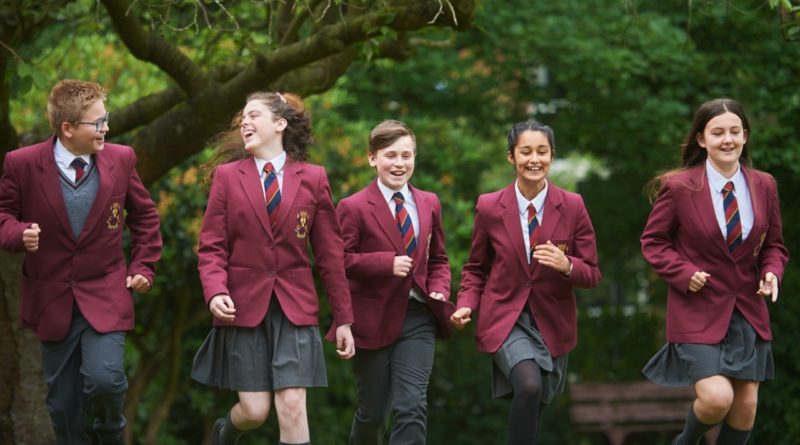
(66, 144)
(269, 151)
(530, 189)
(727, 171)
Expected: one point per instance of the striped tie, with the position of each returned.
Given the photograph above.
(404, 223)
(78, 164)
(272, 192)
(732, 222)
(533, 227)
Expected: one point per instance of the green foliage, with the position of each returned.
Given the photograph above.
(618, 82)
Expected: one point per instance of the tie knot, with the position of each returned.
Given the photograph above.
(398, 198)
(78, 163)
(728, 186)
(268, 168)
(531, 211)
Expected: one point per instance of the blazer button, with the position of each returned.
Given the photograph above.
(271, 273)
(529, 283)
(73, 283)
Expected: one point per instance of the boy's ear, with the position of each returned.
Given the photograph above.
(371, 158)
(66, 129)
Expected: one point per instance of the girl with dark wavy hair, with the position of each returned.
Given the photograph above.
(265, 207)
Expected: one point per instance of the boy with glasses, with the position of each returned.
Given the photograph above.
(64, 202)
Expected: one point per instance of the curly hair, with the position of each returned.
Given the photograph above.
(296, 136)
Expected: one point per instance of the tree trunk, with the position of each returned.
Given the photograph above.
(23, 414)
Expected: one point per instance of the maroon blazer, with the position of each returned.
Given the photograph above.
(240, 256)
(371, 242)
(90, 270)
(498, 281)
(682, 236)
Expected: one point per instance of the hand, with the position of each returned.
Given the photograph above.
(221, 306)
(30, 237)
(345, 345)
(437, 296)
(138, 283)
(698, 281)
(402, 266)
(551, 256)
(461, 317)
(769, 286)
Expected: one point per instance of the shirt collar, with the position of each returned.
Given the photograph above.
(65, 157)
(538, 201)
(717, 181)
(387, 192)
(277, 163)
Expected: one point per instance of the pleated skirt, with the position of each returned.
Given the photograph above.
(274, 355)
(740, 355)
(525, 342)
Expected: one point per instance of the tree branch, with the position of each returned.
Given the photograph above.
(186, 128)
(151, 48)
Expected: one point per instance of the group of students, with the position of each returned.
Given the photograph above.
(714, 235)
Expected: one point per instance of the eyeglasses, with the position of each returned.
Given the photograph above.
(98, 124)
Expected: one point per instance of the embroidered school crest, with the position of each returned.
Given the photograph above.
(562, 247)
(757, 250)
(113, 220)
(302, 224)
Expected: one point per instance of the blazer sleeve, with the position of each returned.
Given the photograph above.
(585, 272)
(212, 252)
(326, 242)
(11, 227)
(476, 270)
(360, 264)
(143, 225)
(774, 254)
(438, 264)
(658, 246)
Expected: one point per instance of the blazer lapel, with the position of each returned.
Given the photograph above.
(384, 218)
(552, 212)
(105, 168)
(254, 190)
(511, 222)
(292, 182)
(425, 224)
(51, 186)
(757, 201)
(701, 197)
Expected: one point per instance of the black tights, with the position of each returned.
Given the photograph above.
(523, 421)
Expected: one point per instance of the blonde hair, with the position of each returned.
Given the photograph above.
(69, 99)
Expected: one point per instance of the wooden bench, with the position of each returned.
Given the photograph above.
(619, 409)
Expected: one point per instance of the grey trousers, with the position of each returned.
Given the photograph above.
(86, 370)
(395, 379)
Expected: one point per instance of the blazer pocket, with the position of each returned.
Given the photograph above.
(563, 244)
(113, 216)
(301, 219)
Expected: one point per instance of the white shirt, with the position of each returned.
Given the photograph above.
(277, 166)
(716, 182)
(538, 204)
(410, 204)
(64, 158)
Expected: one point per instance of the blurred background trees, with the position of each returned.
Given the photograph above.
(618, 80)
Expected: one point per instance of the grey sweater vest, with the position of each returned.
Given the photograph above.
(79, 197)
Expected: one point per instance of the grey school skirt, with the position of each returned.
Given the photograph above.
(740, 355)
(273, 355)
(525, 342)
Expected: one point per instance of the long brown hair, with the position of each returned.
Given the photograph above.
(692, 154)
(296, 136)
